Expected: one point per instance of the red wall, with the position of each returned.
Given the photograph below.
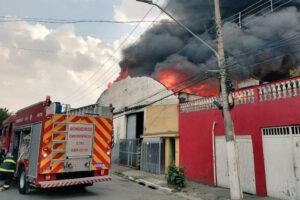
(195, 128)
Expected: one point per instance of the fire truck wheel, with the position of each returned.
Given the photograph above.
(23, 184)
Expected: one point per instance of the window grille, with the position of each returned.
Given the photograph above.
(283, 130)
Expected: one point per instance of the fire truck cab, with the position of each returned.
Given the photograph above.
(55, 148)
(6, 133)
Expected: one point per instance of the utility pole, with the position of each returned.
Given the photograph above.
(240, 19)
(271, 2)
(233, 161)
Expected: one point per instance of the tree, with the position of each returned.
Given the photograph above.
(4, 114)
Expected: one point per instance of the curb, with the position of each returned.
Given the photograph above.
(149, 184)
(158, 187)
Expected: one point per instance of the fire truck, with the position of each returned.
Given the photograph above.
(57, 149)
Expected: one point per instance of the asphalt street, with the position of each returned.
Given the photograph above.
(118, 188)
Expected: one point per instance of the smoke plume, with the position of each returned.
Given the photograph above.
(266, 41)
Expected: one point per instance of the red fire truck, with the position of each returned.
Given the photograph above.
(55, 148)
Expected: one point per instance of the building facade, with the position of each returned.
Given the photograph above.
(161, 123)
(267, 126)
(130, 97)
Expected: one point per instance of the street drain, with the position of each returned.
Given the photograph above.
(152, 187)
(141, 183)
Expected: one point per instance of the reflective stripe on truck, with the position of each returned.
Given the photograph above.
(54, 142)
(78, 181)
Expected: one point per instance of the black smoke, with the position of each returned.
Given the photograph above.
(258, 48)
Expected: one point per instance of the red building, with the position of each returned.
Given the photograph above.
(267, 126)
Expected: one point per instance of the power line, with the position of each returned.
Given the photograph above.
(259, 6)
(133, 21)
(284, 40)
(29, 49)
(226, 20)
(244, 14)
(174, 88)
(279, 43)
(98, 70)
(266, 61)
(82, 21)
(231, 70)
(134, 107)
(271, 10)
(80, 94)
(142, 106)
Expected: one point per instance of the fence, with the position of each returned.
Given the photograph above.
(280, 90)
(239, 97)
(129, 152)
(153, 155)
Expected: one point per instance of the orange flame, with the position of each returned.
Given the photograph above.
(109, 85)
(124, 74)
(178, 80)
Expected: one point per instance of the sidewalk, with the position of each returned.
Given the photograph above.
(193, 190)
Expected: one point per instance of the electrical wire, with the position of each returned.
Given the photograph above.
(270, 11)
(79, 95)
(78, 90)
(243, 53)
(160, 99)
(82, 21)
(231, 70)
(260, 6)
(268, 60)
(177, 87)
(281, 44)
(227, 21)
(142, 106)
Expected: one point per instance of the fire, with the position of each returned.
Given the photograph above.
(109, 85)
(177, 80)
(124, 74)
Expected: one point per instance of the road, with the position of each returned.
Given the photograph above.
(118, 188)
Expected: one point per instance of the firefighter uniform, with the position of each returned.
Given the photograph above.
(2, 155)
(7, 169)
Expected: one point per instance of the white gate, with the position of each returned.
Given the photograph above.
(245, 151)
(282, 161)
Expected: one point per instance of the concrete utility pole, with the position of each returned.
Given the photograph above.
(233, 161)
(271, 2)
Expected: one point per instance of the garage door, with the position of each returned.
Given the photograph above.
(282, 161)
(245, 151)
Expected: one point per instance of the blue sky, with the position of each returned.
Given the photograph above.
(72, 9)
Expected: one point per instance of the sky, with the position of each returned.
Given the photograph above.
(72, 63)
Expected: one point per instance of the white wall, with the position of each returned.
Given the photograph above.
(135, 91)
(132, 92)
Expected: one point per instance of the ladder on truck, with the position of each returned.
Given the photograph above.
(59, 142)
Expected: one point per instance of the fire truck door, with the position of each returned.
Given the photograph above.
(34, 149)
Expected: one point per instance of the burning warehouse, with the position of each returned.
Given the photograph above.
(260, 42)
(143, 119)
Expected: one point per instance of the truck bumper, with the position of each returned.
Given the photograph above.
(77, 181)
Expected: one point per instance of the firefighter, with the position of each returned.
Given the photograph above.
(7, 169)
(2, 153)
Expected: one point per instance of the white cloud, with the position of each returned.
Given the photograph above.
(124, 41)
(133, 10)
(36, 62)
